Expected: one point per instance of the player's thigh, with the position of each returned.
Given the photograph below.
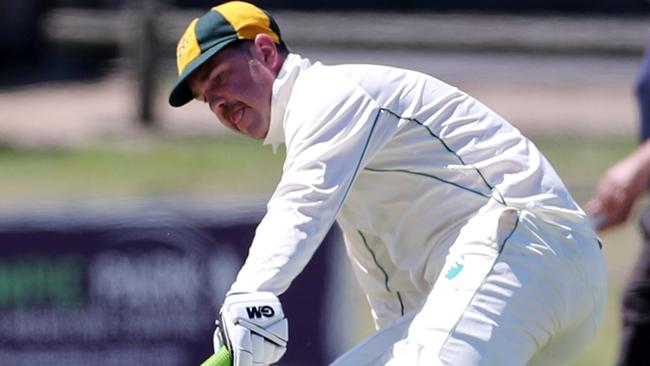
(563, 347)
(465, 311)
(499, 310)
(375, 349)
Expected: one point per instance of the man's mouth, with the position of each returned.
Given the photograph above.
(236, 115)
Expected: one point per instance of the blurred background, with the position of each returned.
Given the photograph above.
(123, 220)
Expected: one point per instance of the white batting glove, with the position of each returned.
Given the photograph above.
(253, 328)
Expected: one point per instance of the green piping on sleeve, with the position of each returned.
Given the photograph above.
(431, 176)
(401, 304)
(374, 259)
(460, 159)
(363, 154)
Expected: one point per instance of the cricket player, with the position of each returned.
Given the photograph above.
(461, 234)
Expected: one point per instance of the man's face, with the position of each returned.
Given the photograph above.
(237, 84)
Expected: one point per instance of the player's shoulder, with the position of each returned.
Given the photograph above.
(354, 73)
(321, 76)
(374, 79)
(326, 84)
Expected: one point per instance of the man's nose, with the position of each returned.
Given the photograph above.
(216, 104)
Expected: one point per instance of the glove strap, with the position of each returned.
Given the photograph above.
(264, 333)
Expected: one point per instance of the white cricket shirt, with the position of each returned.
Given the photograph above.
(403, 161)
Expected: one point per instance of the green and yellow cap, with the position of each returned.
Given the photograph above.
(214, 30)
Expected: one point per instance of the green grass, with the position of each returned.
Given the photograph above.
(213, 167)
(197, 166)
(581, 162)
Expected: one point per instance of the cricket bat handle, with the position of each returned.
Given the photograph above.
(223, 357)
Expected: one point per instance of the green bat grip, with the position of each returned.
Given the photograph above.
(222, 358)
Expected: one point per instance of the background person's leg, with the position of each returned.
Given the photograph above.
(635, 338)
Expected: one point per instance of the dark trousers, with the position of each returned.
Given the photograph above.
(635, 342)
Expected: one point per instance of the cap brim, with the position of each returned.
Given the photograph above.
(181, 92)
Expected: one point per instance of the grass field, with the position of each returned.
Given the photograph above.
(221, 167)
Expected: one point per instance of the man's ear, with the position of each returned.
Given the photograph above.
(268, 51)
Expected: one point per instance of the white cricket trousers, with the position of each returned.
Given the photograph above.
(533, 293)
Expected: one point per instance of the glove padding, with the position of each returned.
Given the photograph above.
(253, 327)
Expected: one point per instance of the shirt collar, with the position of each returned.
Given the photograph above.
(282, 87)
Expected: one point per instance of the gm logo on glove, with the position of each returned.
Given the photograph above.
(259, 311)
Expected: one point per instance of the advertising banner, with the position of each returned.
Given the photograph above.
(142, 287)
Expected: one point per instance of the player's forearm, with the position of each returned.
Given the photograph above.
(280, 251)
(298, 218)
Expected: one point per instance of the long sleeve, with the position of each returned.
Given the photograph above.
(328, 132)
